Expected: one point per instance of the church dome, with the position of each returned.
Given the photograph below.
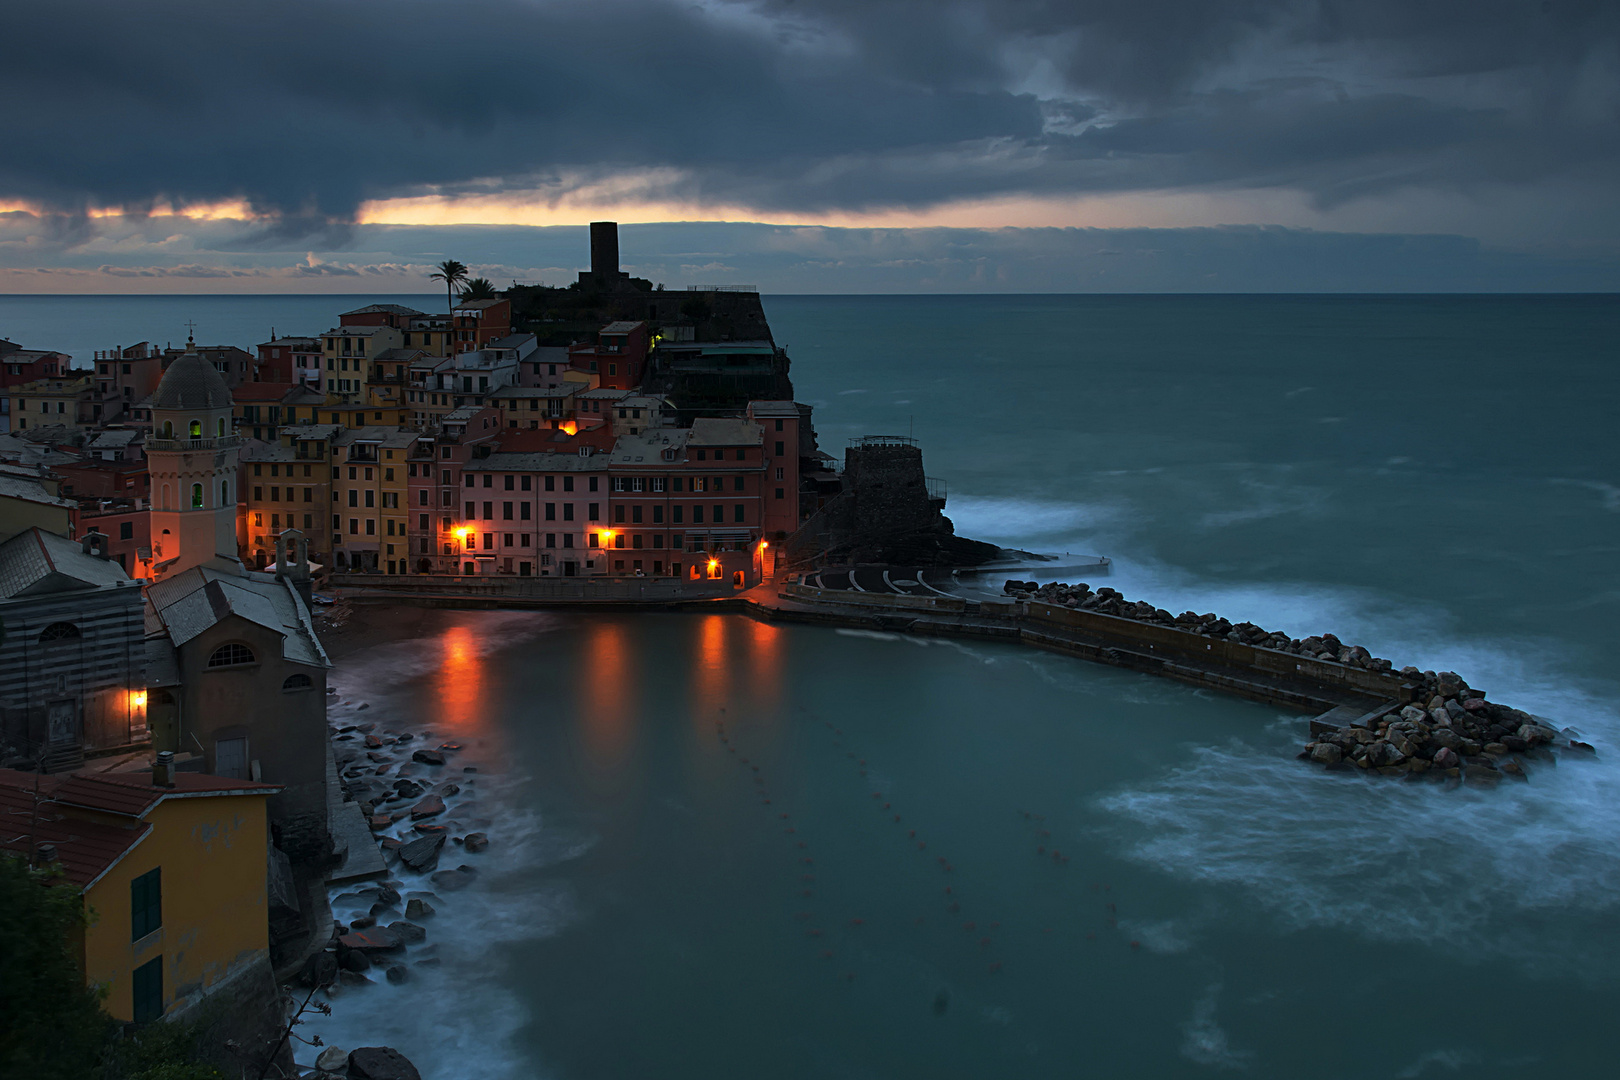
(192, 383)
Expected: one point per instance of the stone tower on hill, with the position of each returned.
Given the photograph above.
(192, 457)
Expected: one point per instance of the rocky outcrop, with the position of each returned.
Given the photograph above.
(1449, 731)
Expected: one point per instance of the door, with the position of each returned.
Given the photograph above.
(62, 722)
(230, 758)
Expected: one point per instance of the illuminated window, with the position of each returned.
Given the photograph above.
(196, 496)
(196, 429)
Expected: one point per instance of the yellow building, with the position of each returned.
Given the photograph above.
(45, 402)
(173, 877)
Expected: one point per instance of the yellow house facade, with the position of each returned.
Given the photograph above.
(173, 879)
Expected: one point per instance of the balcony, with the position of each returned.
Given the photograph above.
(227, 442)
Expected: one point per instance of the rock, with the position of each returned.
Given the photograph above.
(1445, 758)
(408, 789)
(432, 830)
(372, 939)
(422, 854)
(428, 757)
(1495, 749)
(1481, 774)
(1515, 744)
(363, 922)
(405, 738)
(476, 842)
(1513, 769)
(408, 932)
(469, 768)
(379, 821)
(1312, 645)
(381, 1063)
(1536, 735)
(1581, 747)
(355, 960)
(451, 880)
(1455, 711)
(333, 1060)
(448, 789)
(1414, 714)
(352, 978)
(399, 973)
(390, 844)
(320, 969)
(419, 909)
(373, 743)
(1326, 754)
(1474, 705)
(1449, 684)
(432, 806)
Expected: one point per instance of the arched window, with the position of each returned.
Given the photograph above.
(166, 504)
(196, 429)
(58, 631)
(297, 682)
(168, 429)
(222, 427)
(230, 654)
(196, 497)
(224, 493)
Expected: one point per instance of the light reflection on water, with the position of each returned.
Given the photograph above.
(638, 882)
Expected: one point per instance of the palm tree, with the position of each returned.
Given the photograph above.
(452, 274)
(478, 289)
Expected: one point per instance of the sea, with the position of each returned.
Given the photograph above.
(720, 848)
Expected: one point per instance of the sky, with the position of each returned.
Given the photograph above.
(813, 145)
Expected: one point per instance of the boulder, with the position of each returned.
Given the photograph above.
(428, 757)
(1513, 769)
(432, 806)
(448, 789)
(1581, 747)
(1455, 711)
(399, 973)
(476, 842)
(320, 969)
(355, 960)
(373, 743)
(418, 909)
(1445, 758)
(422, 854)
(1326, 754)
(333, 1059)
(1481, 774)
(1449, 684)
(408, 789)
(372, 939)
(381, 1063)
(451, 880)
(408, 932)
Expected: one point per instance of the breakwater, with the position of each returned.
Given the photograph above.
(1369, 716)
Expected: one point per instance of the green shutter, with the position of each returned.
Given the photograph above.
(148, 990)
(145, 904)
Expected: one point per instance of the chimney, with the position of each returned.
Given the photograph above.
(44, 854)
(605, 251)
(163, 769)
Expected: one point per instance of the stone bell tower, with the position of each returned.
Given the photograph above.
(192, 458)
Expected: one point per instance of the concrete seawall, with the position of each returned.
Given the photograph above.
(1297, 683)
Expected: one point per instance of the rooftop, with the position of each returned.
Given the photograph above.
(382, 309)
(191, 602)
(708, 431)
(36, 562)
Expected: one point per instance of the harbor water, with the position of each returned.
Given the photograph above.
(1142, 879)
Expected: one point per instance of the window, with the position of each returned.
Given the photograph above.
(528, 483)
(568, 511)
(230, 654)
(568, 483)
(779, 428)
(506, 509)
(59, 631)
(489, 479)
(126, 530)
(658, 515)
(593, 512)
(196, 429)
(591, 486)
(779, 475)
(739, 514)
(675, 515)
(489, 511)
(719, 455)
(697, 515)
(297, 682)
(196, 496)
(618, 483)
(618, 514)
(780, 493)
(523, 511)
(781, 449)
(658, 483)
(147, 984)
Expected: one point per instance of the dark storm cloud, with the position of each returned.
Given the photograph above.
(308, 107)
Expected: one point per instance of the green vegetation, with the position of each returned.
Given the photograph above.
(478, 289)
(52, 1026)
(452, 274)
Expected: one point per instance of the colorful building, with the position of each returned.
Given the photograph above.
(173, 878)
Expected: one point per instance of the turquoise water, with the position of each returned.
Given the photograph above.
(1434, 478)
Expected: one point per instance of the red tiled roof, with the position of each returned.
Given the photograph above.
(131, 794)
(85, 849)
